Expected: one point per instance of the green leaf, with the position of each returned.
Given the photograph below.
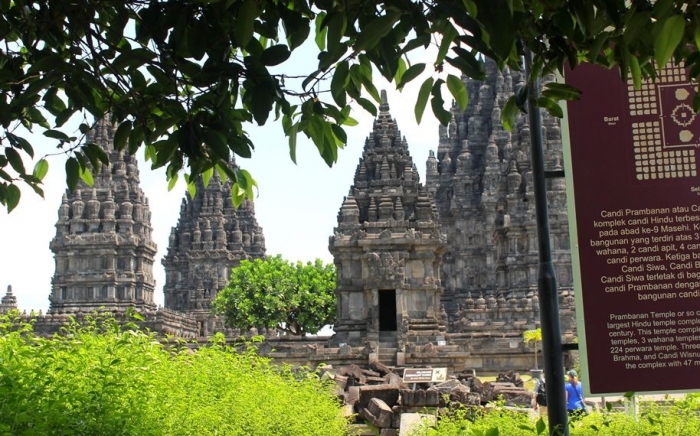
(217, 144)
(245, 22)
(12, 196)
(40, 169)
(21, 143)
(350, 122)
(438, 104)
(121, 135)
(367, 105)
(340, 134)
(275, 55)
(377, 29)
(458, 91)
(540, 426)
(411, 73)
(172, 182)
(191, 189)
(552, 107)
(72, 172)
(320, 31)
(422, 100)
(509, 113)
(56, 134)
(15, 159)
(293, 142)
(448, 36)
(400, 71)
(636, 72)
(561, 91)
(369, 86)
(340, 79)
(86, 176)
(668, 39)
(206, 176)
(467, 63)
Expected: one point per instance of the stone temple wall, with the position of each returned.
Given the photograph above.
(481, 178)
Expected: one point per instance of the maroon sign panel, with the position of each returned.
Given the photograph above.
(637, 196)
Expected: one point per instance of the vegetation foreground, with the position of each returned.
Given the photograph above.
(103, 379)
(106, 379)
(677, 418)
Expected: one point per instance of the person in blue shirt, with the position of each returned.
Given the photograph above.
(574, 395)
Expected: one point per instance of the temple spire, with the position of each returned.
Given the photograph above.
(9, 301)
(384, 106)
(208, 241)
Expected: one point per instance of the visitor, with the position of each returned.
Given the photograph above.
(539, 400)
(574, 396)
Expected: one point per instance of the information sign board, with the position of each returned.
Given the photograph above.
(424, 375)
(634, 210)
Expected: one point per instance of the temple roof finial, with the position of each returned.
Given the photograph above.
(384, 106)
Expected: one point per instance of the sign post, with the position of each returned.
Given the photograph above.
(634, 209)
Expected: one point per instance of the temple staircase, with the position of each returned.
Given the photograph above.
(388, 346)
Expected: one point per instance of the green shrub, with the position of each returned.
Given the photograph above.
(676, 419)
(103, 379)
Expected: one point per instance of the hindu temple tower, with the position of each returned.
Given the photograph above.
(387, 247)
(103, 247)
(211, 237)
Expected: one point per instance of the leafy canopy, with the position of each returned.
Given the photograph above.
(185, 79)
(274, 293)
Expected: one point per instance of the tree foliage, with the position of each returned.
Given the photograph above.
(274, 293)
(534, 336)
(185, 79)
(100, 379)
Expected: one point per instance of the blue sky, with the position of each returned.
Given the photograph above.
(297, 205)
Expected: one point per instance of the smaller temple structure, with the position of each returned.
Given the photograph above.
(387, 247)
(210, 238)
(9, 301)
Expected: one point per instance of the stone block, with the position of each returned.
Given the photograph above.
(397, 411)
(447, 386)
(347, 410)
(379, 367)
(389, 432)
(411, 422)
(341, 381)
(387, 393)
(381, 413)
(352, 395)
(420, 397)
(462, 395)
(395, 379)
(400, 358)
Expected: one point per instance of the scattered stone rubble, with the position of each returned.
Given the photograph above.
(378, 396)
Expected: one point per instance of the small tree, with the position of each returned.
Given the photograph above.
(274, 293)
(534, 336)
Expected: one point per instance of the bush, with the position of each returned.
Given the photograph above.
(103, 379)
(678, 418)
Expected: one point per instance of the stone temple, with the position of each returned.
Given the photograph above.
(103, 248)
(388, 246)
(442, 273)
(481, 180)
(210, 238)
